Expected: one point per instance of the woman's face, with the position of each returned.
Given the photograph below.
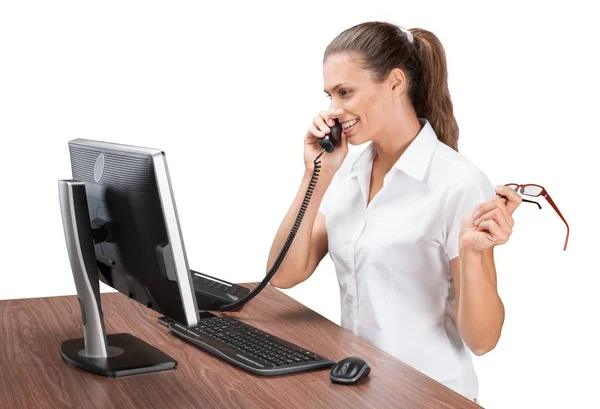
(361, 99)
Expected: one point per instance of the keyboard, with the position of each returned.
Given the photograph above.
(247, 347)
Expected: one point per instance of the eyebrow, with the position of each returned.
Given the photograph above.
(336, 87)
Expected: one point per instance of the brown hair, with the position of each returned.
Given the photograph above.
(383, 46)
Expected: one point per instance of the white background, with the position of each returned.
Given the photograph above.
(228, 91)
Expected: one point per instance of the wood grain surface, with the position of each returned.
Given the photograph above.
(33, 374)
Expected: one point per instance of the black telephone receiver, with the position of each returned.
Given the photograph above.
(328, 143)
(331, 140)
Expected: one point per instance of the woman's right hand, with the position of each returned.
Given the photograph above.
(319, 128)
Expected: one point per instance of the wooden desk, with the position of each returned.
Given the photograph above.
(33, 374)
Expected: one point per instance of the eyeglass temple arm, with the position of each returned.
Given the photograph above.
(533, 201)
(525, 200)
(549, 199)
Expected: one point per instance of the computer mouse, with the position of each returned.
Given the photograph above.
(349, 370)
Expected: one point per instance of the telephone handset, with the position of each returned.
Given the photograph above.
(328, 143)
(331, 140)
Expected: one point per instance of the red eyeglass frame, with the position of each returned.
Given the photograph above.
(521, 189)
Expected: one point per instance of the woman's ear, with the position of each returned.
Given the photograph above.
(397, 81)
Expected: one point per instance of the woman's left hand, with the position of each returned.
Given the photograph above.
(491, 222)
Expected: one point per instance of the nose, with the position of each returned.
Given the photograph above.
(333, 107)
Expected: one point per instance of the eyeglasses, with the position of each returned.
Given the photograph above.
(535, 191)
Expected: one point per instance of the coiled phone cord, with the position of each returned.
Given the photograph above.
(288, 242)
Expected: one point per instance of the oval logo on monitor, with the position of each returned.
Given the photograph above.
(99, 168)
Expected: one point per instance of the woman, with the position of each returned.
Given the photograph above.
(409, 223)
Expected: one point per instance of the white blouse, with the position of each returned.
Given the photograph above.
(392, 257)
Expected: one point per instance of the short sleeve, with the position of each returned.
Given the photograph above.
(339, 176)
(328, 193)
(461, 201)
(323, 205)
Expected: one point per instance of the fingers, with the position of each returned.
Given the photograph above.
(322, 122)
(319, 122)
(513, 199)
(504, 221)
(498, 236)
(495, 203)
(325, 118)
(314, 131)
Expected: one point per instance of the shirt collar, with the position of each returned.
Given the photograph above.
(415, 159)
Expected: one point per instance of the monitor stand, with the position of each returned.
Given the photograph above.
(110, 355)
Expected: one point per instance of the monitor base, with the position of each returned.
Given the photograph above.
(127, 355)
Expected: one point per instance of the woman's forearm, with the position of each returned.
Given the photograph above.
(293, 266)
(481, 311)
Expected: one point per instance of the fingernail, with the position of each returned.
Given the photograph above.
(476, 215)
(331, 122)
(499, 188)
(476, 222)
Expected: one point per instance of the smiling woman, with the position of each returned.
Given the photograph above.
(357, 63)
(417, 276)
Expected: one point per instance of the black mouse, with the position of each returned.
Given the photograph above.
(349, 370)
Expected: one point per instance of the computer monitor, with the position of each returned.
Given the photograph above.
(121, 227)
(145, 259)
